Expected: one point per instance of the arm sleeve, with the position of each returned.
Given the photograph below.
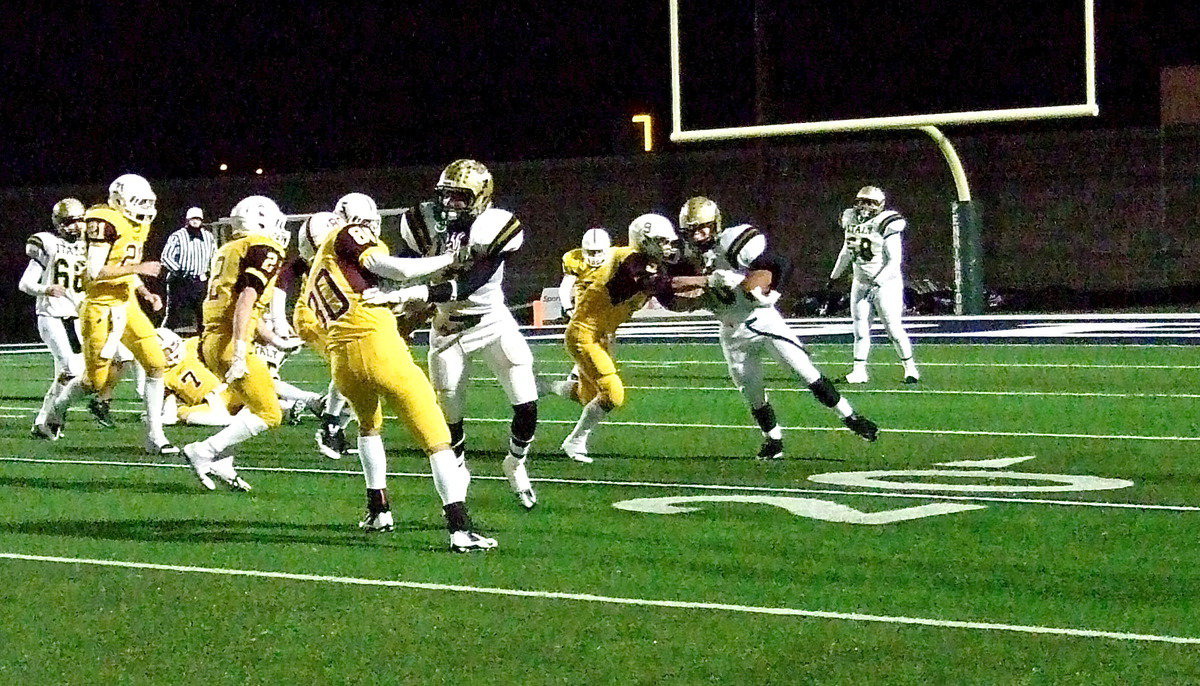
(260, 264)
(566, 291)
(30, 283)
(843, 261)
(892, 254)
(404, 268)
(171, 253)
(477, 275)
(779, 266)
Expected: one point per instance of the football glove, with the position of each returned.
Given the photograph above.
(764, 299)
(237, 366)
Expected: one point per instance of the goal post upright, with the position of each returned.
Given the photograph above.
(965, 222)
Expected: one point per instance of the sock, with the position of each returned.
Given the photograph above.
(843, 408)
(765, 416)
(458, 439)
(514, 469)
(288, 392)
(374, 461)
(245, 425)
(73, 391)
(524, 424)
(591, 416)
(860, 366)
(563, 389)
(56, 387)
(450, 476)
(457, 518)
(377, 499)
(154, 409)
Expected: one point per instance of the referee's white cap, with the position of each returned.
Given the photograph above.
(195, 213)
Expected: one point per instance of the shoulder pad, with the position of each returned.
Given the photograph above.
(104, 212)
(891, 221)
(40, 245)
(498, 230)
(741, 244)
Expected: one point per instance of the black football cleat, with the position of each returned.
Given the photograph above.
(912, 380)
(102, 411)
(772, 449)
(862, 426)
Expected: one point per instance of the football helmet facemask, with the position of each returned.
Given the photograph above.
(313, 233)
(869, 202)
(359, 208)
(464, 190)
(67, 217)
(596, 246)
(700, 222)
(132, 195)
(654, 235)
(258, 215)
(172, 346)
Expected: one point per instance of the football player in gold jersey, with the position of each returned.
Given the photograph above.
(110, 314)
(331, 437)
(620, 287)
(578, 267)
(194, 394)
(241, 278)
(372, 364)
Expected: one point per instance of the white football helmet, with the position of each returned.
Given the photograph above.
(172, 346)
(257, 215)
(654, 235)
(313, 233)
(358, 208)
(869, 202)
(132, 195)
(597, 246)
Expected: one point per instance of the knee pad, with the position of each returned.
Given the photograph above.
(612, 392)
(524, 421)
(825, 392)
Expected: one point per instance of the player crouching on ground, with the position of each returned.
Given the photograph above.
(620, 287)
(742, 279)
(243, 274)
(371, 362)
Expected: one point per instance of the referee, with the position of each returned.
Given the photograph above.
(185, 258)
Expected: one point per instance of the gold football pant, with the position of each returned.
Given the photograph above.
(597, 372)
(256, 390)
(96, 326)
(304, 321)
(379, 367)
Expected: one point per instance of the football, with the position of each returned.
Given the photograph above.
(760, 278)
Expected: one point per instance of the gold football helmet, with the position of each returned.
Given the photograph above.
(464, 190)
(869, 202)
(67, 217)
(700, 222)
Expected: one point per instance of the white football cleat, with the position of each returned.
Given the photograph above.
(198, 457)
(153, 447)
(576, 449)
(223, 470)
(468, 541)
(46, 431)
(856, 376)
(518, 480)
(377, 522)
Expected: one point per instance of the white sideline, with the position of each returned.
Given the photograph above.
(643, 484)
(1032, 365)
(613, 600)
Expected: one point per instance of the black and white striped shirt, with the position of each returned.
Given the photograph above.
(188, 254)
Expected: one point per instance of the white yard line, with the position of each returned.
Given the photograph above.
(746, 427)
(610, 600)
(1030, 365)
(640, 484)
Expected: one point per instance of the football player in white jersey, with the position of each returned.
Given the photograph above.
(742, 279)
(873, 247)
(54, 277)
(475, 322)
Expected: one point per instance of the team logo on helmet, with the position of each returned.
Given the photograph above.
(257, 215)
(67, 217)
(359, 208)
(132, 195)
(654, 235)
(464, 190)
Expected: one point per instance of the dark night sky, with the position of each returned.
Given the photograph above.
(171, 90)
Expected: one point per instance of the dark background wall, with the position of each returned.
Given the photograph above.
(1111, 210)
